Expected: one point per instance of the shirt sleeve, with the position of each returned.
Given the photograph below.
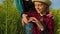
(51, 25)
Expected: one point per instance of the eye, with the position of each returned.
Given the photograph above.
(39, 5)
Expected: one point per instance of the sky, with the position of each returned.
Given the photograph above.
(55, 4)
(0, 1)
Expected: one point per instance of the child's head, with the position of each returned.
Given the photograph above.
(41, 5)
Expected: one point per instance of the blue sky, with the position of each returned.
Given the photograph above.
(0, 1)
(55, 4)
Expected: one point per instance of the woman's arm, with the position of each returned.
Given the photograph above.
(50, 14)
(24, 19)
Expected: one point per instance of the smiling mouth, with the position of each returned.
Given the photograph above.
(40, 10)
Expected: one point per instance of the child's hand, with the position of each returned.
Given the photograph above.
(37, 22)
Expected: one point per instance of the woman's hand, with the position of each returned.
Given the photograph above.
(50, 14)
(24, 19)
(33, 19)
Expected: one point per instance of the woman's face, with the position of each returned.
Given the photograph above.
(40, 7)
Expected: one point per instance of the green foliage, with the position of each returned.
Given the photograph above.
(56, 14)
(2, 20)
(10, 19)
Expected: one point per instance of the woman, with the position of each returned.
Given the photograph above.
(40, 16)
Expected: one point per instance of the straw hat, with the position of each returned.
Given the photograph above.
(48, 2)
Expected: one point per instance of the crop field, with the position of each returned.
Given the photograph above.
(10, 19)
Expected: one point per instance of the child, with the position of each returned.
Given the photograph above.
(39, 16)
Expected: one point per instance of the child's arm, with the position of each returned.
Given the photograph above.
(51, 25)
(37, 22)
